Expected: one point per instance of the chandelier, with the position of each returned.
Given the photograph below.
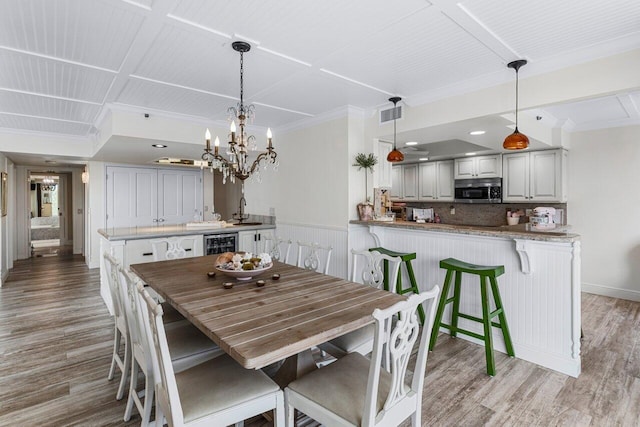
(48, 184)
(236, 164)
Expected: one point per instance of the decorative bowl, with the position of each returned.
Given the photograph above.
(243, 274)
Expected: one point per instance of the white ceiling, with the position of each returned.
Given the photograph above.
(63, 62)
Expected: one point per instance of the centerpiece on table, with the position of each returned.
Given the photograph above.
(366, 162)
(243, 265)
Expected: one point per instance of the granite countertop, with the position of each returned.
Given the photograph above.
(519, 231)
(156, 231)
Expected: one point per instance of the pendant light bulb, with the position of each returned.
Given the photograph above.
(517, 140)
(395, 155)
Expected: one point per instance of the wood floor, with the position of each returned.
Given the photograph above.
(55, 347)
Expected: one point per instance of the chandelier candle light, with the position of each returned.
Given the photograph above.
(238, 165)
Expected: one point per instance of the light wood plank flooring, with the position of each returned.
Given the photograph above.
(55, 347)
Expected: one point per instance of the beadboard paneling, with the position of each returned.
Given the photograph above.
(542, 309)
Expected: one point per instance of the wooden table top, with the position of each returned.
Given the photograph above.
(258, 326)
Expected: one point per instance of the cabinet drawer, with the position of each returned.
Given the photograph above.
(138, 252)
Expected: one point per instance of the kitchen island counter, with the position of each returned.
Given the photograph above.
(159, 231)
(540, 287)
(506, 231)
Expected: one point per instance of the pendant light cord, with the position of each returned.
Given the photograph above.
(241, 82)
(517, 99)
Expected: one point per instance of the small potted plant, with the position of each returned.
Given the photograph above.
(366, 162)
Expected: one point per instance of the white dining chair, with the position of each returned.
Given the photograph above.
(188, 347)
(121, 330)
(372, 274)
(356, 391)
(309, 257)
(173, 247)
(218, 392)
(278, 248)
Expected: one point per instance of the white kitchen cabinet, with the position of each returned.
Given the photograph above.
(140, 250)
(436, 181)
(410, 182)
(396, 182)
(148, 196)
(536, 176)
(253, 240)
(478, 167)
(382, 170)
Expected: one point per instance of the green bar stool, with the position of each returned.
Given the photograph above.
(406, 260)
(484, 272)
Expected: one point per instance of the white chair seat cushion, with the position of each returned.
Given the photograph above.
(341, 387)
(187, 340)
(354, 340)
(232, 384)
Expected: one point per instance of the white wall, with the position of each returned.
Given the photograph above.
(95, 203)
(604, 207)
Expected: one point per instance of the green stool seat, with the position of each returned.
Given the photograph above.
(406, 259)
(484, 272)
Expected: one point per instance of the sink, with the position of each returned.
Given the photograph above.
(247, 223)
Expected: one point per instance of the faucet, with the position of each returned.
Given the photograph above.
(240, 214)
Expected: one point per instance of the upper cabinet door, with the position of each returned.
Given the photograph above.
(546, 172)
(410, 182)
(179, 196)
(464, 168)
(489, 166)
(515, 186)
(396, 182)
(479, 167)
(131, 196)
(427, 181)
(444, 173)
(382, 171)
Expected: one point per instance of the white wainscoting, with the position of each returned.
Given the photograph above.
(542, 308)
(336, 237)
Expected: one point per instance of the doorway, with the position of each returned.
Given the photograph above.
(49, 231)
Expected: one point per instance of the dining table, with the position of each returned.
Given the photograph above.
(259, 324)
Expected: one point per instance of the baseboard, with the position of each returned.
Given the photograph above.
(608, 291)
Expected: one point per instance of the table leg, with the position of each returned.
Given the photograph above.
(295, 367)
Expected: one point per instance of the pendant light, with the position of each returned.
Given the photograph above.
(517, 140)
(395, 155)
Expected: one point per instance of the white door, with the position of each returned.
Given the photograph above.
(131, 196)
(427, 181)
(179, 196)
(515, 186)
(444, 174)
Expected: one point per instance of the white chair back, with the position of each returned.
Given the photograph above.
(121, 329)
(278, 248)
(309, 257)
(173, 247)
(400, 398)
(372, 271)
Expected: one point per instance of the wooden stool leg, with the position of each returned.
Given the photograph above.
(444, 295)
(486, 322)
(456, 305)
(414, 286)
(502, 317)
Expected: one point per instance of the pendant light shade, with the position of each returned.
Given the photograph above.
(517, 140)
(395, 155)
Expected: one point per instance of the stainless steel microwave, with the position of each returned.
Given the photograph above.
(479, 190)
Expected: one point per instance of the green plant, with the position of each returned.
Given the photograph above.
(366, 162)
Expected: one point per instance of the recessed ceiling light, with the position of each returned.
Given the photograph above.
(411, 143)
(469, 154)
(423, 159)
(158, 146)
(477, 132)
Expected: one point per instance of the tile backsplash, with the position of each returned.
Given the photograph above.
(489, 215)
